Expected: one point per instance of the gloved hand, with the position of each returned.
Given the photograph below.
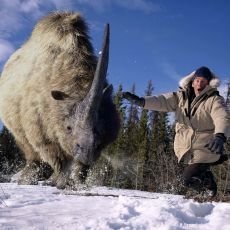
(217, 144)
(140, 101)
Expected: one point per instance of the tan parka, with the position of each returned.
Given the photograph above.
(208, 115)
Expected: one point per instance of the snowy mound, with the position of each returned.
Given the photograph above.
(41, 207)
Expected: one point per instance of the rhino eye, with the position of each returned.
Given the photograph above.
(69, 129)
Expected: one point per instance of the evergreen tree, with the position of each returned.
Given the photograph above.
(143, 140)
(118, 100)
(117, 149)
(228, 97)
(131, 144)
(222, 172)
(157, 166)
(11, 159)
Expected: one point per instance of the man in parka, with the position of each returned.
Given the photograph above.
(202, 125)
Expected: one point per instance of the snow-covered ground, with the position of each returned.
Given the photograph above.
(43, 207)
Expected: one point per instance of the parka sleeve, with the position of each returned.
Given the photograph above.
(220, 116)
(166, 102)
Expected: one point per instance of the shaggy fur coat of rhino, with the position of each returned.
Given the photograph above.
(56, 102)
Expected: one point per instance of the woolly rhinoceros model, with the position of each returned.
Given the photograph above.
(55, 100)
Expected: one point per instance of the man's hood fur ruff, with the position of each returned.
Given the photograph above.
(214, 82)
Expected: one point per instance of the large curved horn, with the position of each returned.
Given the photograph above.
(90, 105)
(101, 70)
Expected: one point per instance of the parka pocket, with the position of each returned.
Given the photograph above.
(201, 139)
(183, 137)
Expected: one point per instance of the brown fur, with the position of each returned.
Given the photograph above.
(57, 57)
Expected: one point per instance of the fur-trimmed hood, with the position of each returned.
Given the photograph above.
(214, 82)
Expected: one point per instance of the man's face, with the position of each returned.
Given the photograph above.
(198, 84)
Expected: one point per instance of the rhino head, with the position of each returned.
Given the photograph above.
(90, 120)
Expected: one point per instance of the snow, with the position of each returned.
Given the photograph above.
(44, 207)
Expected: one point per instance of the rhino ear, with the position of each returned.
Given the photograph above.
(59, 95)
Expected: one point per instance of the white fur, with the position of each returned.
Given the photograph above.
(214, 83)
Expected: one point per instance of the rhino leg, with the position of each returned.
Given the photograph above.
(72, 176)
(50, 153)
(54, 156)
(33, 172)
(35, 169)
(79, 173)
(58, 179)
(60, 176)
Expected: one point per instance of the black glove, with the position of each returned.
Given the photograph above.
(217, 144)
(140, 101)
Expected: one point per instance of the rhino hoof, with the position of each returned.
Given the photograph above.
(79, 172)
(29, 175)
(34, 172)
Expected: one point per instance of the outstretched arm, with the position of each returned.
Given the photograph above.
(140, 101)
(165, 102)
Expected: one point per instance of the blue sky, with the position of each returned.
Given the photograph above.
(160, 40)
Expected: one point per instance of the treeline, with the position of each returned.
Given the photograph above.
(141, 158)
